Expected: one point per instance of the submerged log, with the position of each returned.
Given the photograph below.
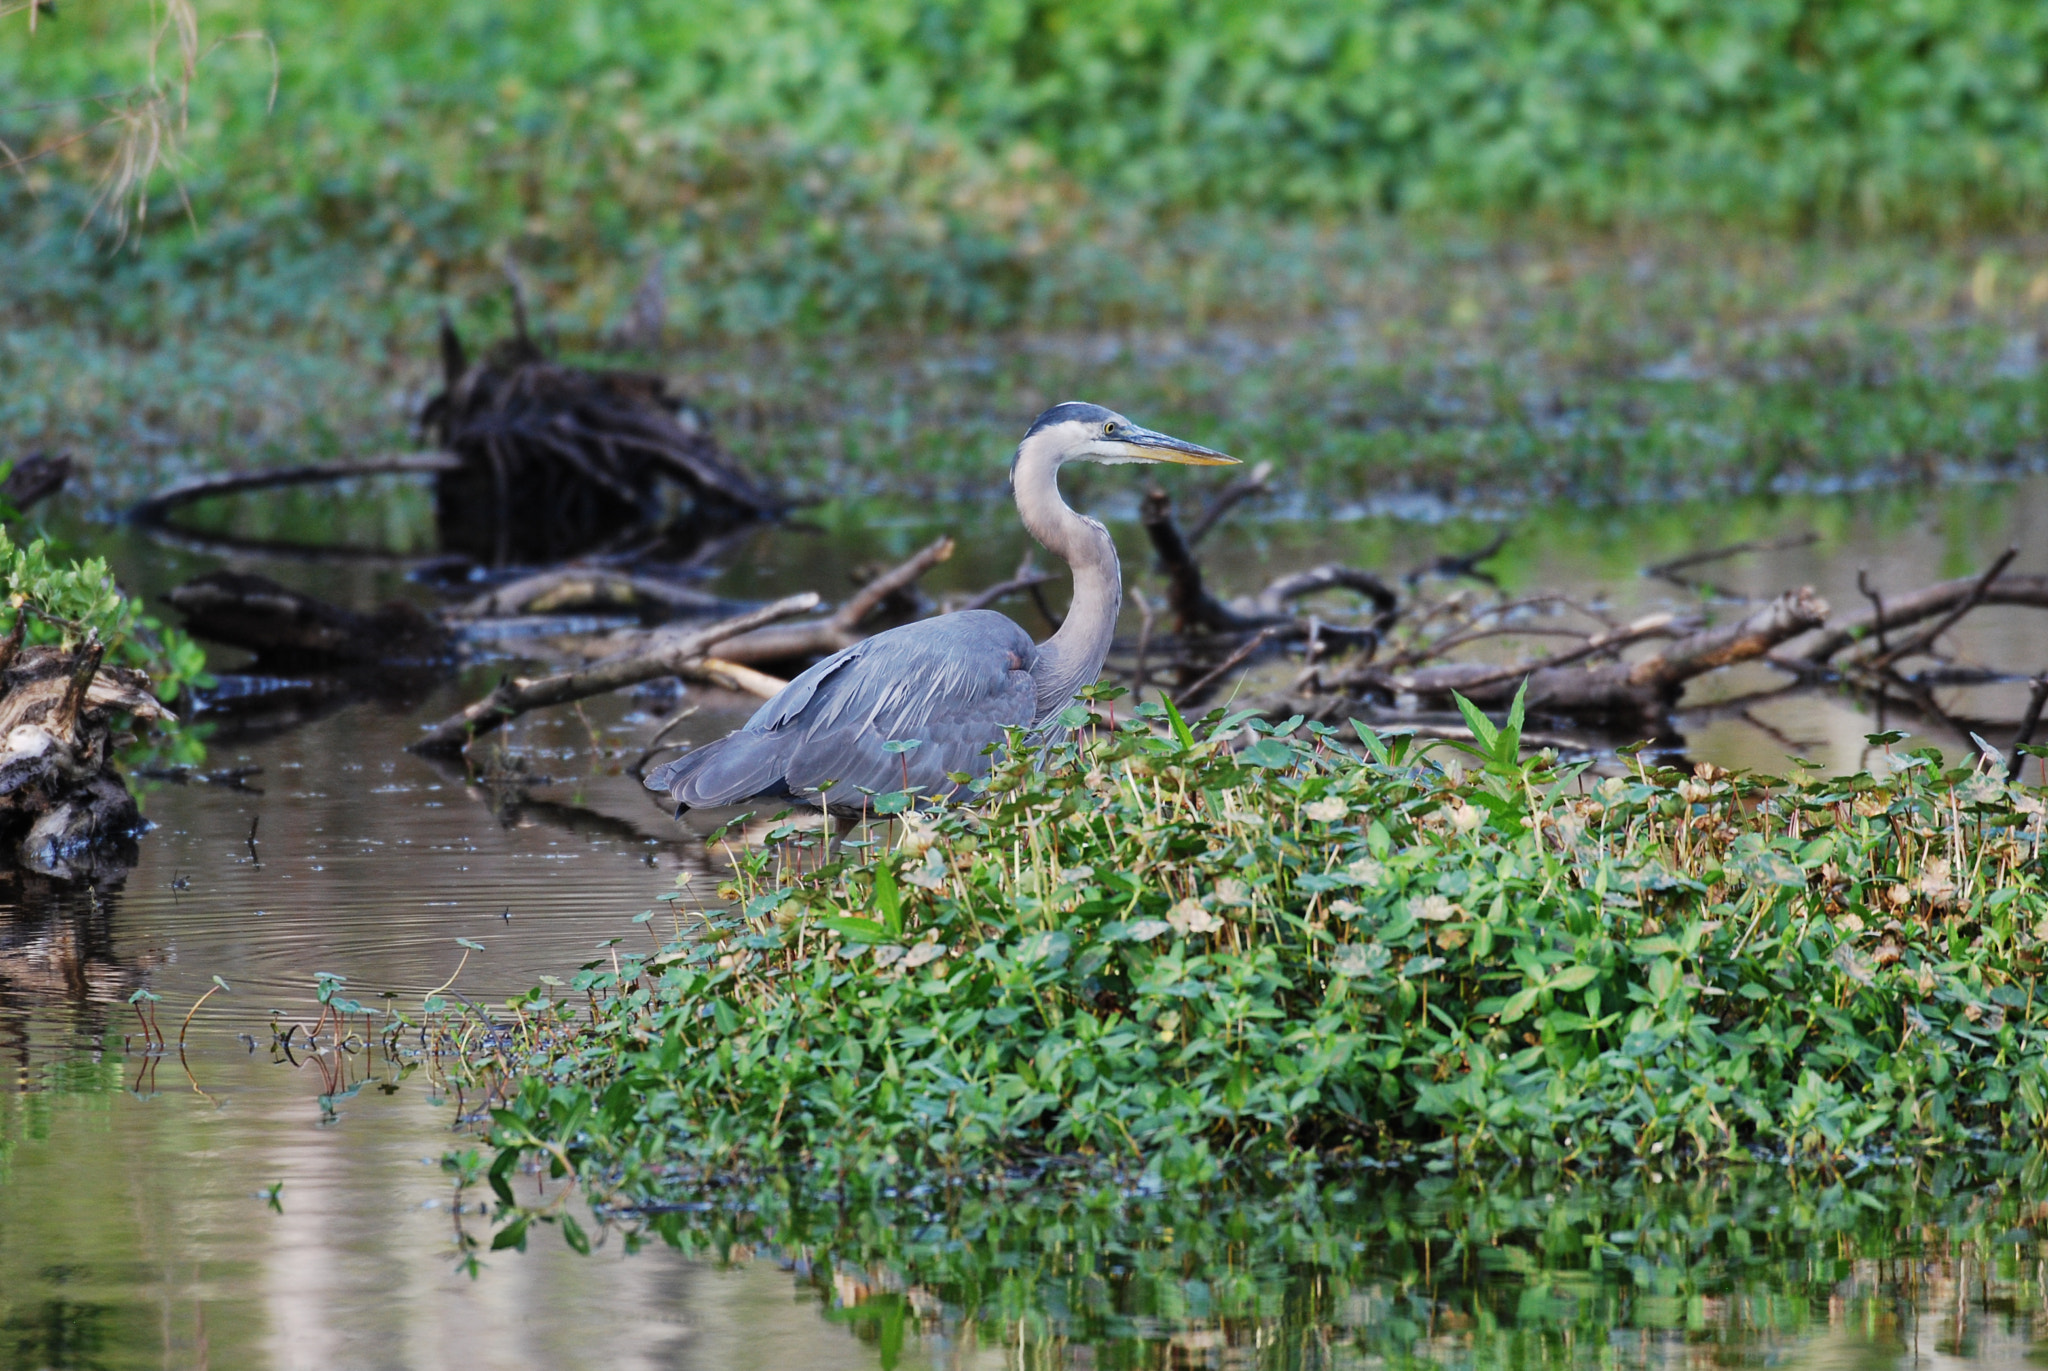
(556, 459)
(287, 629)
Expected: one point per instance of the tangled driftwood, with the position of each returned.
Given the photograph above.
(538, 461)
(1403, 657)
(555, 459)
(33, 479)
(63, 808)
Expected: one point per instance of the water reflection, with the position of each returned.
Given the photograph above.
(1756, 1269)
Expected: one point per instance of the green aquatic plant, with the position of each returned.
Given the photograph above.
(1158, 949)
(53, 599)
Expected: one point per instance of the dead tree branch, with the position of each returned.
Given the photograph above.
(1669, 571)
(2036, 701)
(1198, 690)
(1258, 481)
(1920, 642)
(1028, 576)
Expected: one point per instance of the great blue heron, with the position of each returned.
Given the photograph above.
(948, 687)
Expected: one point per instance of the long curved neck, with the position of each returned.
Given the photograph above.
(1072, 658)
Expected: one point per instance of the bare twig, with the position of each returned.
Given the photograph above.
(1871, 594)
(1258, 481)
(1461, 564)
(1195, 693)
(1028, 575)
(1145, 620)
(2028, 723)
(1883, 660)
(1668, 571)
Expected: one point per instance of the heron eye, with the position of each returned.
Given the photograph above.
(1109, 428)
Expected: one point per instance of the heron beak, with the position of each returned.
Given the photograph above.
(1143, 445)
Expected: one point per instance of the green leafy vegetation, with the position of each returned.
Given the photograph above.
(1160, 953)
(53, 599)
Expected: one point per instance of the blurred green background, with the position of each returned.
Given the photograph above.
(1558, 247)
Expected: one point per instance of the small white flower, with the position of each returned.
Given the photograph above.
(1189, 917)
(922, 953)
(1232, 891)
(1326, 811)
(1346, 909)
(1366, 871)
(1466, 817)
(1435, 908)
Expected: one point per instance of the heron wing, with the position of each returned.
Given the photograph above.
(953, 684)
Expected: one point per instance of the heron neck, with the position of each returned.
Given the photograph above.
(1072, 658)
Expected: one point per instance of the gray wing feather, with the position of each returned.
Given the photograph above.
(954, 684)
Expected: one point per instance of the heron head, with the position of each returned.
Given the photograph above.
(1081, 432)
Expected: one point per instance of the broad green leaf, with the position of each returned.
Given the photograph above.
(1481, 726)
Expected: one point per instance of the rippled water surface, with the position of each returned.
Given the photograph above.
(134, 1228)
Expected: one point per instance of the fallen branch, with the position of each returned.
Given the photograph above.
(1194, 608)
(732, 676)
(2028, 723)
(1275, 598)
(286, 628)
(1669, 571)
(669, 655)
(1028, 575)
(1458, 564)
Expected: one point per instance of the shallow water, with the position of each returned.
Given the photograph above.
(133, 1227)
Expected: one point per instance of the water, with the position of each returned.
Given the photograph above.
(134, 1228)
